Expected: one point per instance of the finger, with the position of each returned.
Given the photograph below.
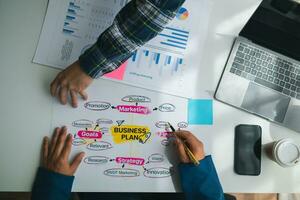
(76, 162)
(60, 142)
(53, 141)
(187, 137)
(182, 134)
(74, 101)
(54, 86)
(84, 95)
(67, 147)
(190, 140)
(181, 151)
(45, 150)
(63, 95)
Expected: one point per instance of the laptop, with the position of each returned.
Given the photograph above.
(262, 73)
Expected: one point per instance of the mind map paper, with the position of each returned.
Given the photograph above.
(122, 131)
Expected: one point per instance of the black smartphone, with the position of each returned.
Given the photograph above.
(247, 150)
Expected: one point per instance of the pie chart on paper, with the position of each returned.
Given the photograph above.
(182, 13)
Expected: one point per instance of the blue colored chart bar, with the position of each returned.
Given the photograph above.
(157, 58)
(172, 45)
(71, 11)
(181, 61)
(134, 56)
(146, 53)
(177, 30)
(68, 17)
(72, 4)
(181, 35)
(67, 31)
(177, 65)
(169, 59)
(173, 41)
(173, 37)
(154, 56)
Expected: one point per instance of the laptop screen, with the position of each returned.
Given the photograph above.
(276, 26)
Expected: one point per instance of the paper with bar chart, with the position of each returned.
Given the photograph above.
(168, 63)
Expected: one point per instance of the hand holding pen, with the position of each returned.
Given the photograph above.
(190, 149)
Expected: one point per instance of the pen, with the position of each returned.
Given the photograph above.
(187, 150)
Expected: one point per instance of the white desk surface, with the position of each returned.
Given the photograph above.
(25, 103)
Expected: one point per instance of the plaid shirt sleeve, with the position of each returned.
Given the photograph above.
(137, 23)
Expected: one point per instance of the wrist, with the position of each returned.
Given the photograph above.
(82, 70)
(85, 70)
(55, 172)
(191, 163)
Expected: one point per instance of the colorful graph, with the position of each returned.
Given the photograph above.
(182, 13)
(174, 38)
(160, 61)
(71, 20)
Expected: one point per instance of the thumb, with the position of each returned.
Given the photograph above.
(181, 151)
(76, 162)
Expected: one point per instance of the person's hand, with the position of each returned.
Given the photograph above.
(55, 154)
(195, 145)
(71, 81)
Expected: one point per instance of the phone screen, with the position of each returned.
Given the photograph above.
(247, 150)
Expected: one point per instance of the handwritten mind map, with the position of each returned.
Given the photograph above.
(168, 63)
(123, 134)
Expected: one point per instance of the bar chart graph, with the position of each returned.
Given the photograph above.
(173, 37)
(164, 63)
(158, 63)
(71, 20)
(86, 19)
(161, 57)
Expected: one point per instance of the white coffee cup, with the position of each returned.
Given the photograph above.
(285, 152)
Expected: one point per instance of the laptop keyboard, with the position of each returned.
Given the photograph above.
(267, 69)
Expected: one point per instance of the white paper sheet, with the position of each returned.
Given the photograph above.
(168, 63)
(153, 164)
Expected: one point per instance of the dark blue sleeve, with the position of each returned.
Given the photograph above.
(50, 185)
(201, 182)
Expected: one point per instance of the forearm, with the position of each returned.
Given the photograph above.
(201, 182)
(137, 23)
(51, 186)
